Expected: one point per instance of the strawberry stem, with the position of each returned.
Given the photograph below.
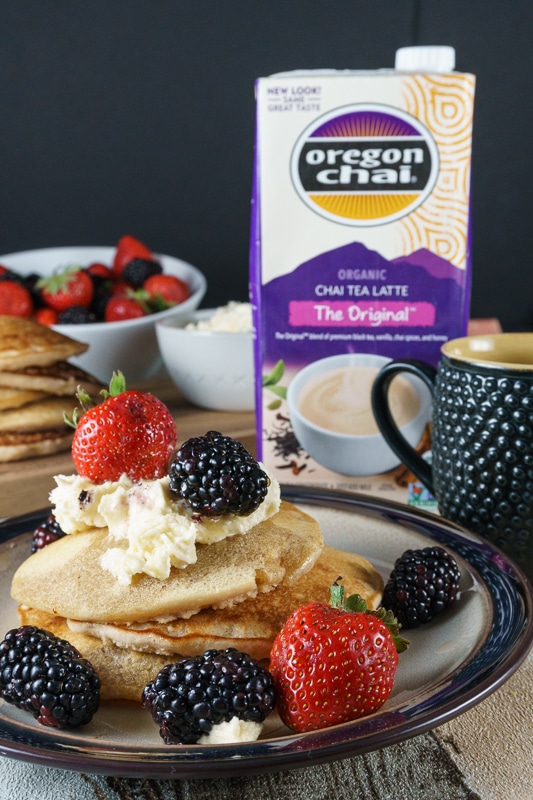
(86, 401)
(58, 280)
(336, 594)
(357, 604)
(117, 385)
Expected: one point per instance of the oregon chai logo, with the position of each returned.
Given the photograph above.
(365, 165)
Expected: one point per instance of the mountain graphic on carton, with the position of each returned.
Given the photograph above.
(363, 277)
(356, 256)
(434, 265)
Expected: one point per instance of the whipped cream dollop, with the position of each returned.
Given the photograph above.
(234, 317)
(235, 730)
(156, 525)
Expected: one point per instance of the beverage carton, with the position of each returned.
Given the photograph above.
(360, 253)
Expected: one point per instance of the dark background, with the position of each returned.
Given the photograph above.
(137, 116)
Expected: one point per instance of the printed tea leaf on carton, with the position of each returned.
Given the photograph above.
(271, 381)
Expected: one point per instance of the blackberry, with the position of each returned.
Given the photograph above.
(188, 698)
(217, 475)
(423, 584)
(101, 297)
(46, 533)
(100, 282)
(10, 275)
(138, 270)
(30, 282)
(75, 315)
(47, 677)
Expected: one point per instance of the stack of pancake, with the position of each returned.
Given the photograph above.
(37, 387)
(238, 593)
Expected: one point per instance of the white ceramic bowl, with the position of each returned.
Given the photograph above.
(129, 346)
(349, 454)
(212, 369)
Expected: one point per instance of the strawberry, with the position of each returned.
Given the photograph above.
(15, 299)
(102, 271)
(70, 287)
(129, 248)
(165, 290)
(331, 664)
(130, 432)
(120, 287)
(46, 316)
(121, 307)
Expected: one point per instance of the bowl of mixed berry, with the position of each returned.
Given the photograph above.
(106, 297)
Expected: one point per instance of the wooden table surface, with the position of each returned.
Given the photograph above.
(25, 485)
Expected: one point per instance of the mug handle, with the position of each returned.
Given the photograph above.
(380, 407)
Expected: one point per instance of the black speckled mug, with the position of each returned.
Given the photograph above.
(482, 436)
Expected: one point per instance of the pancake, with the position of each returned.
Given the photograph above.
(18, 446)
(61, 378)
(24, 343)
(45, 414)
(66, 577)
(127, 657)
(251, 625)
(123, 673)
(15, 398)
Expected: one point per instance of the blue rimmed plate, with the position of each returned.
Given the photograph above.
(451, 664)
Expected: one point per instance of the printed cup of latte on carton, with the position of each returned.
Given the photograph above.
(360, 252)
(329, 404)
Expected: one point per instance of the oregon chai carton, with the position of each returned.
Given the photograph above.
(360, 253)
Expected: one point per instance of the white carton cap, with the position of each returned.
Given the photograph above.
(425, 59)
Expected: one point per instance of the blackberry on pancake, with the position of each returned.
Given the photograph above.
(217, 475)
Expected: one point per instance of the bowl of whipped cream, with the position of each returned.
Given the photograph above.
(209, 356)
